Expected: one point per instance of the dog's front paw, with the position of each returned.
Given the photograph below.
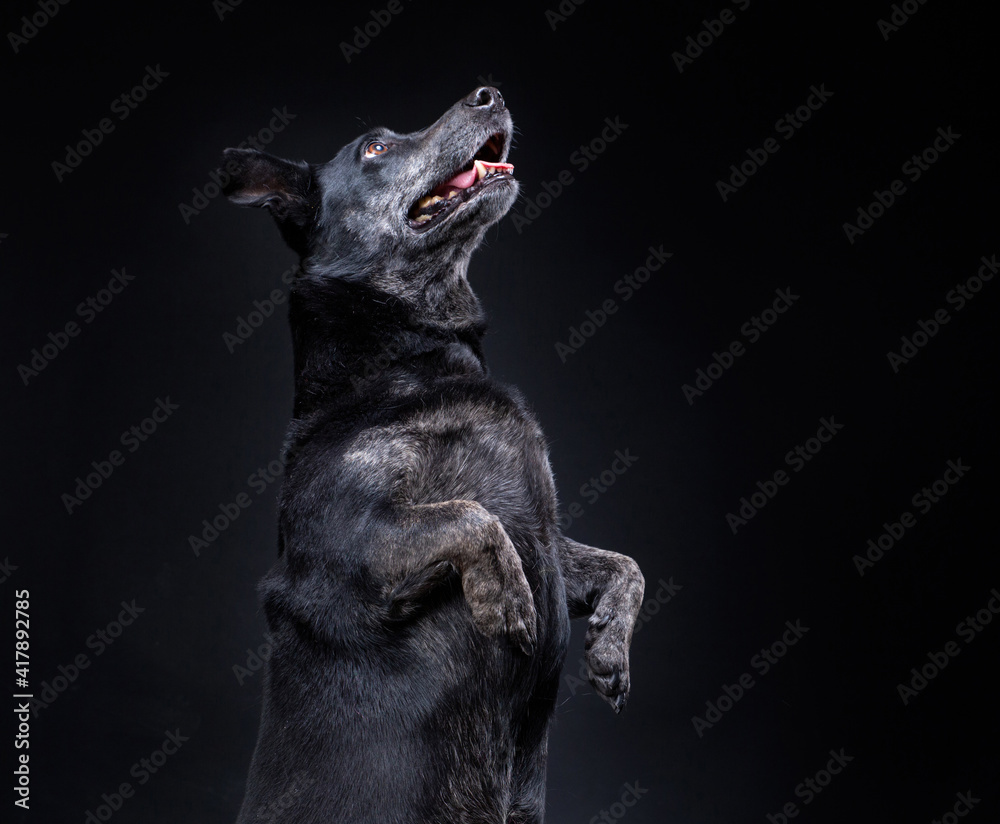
(500, 599)
(606, 655)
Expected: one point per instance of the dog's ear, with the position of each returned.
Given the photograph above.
(287, 188)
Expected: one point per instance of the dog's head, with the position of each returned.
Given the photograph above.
(388, 201)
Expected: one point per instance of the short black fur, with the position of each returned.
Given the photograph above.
(420, 603)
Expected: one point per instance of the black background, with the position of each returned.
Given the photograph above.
(655, 184)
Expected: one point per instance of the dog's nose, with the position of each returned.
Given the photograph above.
(485, 97)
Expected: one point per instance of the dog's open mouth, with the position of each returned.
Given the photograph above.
(483, 169)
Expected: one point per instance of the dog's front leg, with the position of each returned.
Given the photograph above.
(425, 542)
(608, 587)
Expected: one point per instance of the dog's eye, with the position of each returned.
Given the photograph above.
(375, 148)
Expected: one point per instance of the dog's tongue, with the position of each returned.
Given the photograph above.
(463, 180)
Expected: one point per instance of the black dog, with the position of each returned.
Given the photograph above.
(421, 599)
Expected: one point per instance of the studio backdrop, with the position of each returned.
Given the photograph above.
(749, 289)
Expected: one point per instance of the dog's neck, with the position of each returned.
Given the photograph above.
(351, 335)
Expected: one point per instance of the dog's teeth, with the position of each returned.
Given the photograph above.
(429, 200)
(422, 218)
(480, 170)
(452, 193)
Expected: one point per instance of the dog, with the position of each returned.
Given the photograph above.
(420, 604)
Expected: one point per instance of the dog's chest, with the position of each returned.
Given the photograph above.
(490, 453)
(484, 449)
